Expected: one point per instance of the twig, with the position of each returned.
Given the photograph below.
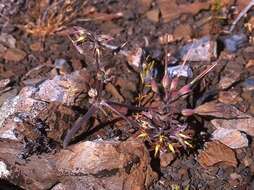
(242, 13)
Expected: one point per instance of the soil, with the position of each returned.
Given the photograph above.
(142, 25)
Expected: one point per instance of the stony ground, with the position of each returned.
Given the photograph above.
(45, 81)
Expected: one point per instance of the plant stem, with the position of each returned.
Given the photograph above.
(78, 124)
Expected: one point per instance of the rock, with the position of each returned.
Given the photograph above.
(214, 153)
(2, 50)
(39, 173)
(76, 64)
(144, 5)
(247, 161)
(227, 116)
(230, 97)
(250, 63)
(231, 75)
(171, 10)
(64, 89)
(14, 54)
(106, 165)
(63, 66)
(7, 40)
(4, 83)
(166, 159)
(242, 123)
(233, 42)
(134, 58)
(183, 31)
(5, 95)
(180, 70)
(153, 15)
(21, 103)
(204, 49)
(37, 75)
(218, 110)
(4, 172)
(248, 84)
(166, 39)
(230, 137)
(235, 176)
(114, 92)
(8, 130)
(8, 108)
(58, 119)
(37, 46)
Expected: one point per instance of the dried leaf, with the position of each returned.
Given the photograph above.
(216, 152)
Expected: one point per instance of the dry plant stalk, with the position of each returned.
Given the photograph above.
(54, 16)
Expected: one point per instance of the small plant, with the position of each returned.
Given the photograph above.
(80, 37)
(162, 123)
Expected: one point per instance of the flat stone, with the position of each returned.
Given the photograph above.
(106, 165)
(14, 54)
(153, 15)
(231, 137)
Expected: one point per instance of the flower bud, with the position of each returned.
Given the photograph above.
(174, 84)
(188, 112)
(154, 86)
(165, 81)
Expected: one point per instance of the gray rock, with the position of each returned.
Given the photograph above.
(233, 42)
(204, 49)
(248, 84)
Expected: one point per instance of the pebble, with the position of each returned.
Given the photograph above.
(166, 159)
(4, 83)
(203, 49)
(234, 42)
(180, 70)
(8, 40)
(153, 15)
(183, 31)
(37, 46)
(14, 54)
(235, 176)
(248, 84)
(63, 66)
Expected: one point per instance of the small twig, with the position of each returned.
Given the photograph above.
(242, 13)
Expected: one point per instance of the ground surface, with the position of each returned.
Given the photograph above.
(143, 24)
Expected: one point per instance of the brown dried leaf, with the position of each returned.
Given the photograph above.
(216, 152)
